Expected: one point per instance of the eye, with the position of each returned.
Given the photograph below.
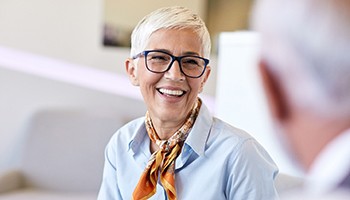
(158, 57)
(190, 61)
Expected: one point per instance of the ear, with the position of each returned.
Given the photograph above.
(275, 95)
(205, 78)
(131, 70)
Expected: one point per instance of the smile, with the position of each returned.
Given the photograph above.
(171, 92)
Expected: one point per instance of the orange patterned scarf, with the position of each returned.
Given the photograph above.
(162, 161)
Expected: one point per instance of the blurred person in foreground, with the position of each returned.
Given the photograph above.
(178, 150)
(305, 70)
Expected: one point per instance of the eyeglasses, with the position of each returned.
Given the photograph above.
(158, 61)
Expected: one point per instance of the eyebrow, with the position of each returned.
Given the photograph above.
(187, 53)
(191, 53)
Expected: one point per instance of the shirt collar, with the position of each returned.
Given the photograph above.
(199, 133)
(138, 138)
(326, 174)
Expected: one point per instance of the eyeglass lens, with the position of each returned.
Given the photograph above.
(159, 62)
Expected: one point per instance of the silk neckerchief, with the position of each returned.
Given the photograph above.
(162, 161)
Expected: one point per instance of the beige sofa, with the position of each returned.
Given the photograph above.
(61, 155)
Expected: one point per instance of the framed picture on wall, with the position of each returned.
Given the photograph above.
(120, 17)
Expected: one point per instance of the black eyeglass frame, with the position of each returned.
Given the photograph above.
(177, 58)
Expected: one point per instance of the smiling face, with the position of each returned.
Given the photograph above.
(169, 96)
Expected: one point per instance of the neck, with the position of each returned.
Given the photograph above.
(309, 135)
(166, 129)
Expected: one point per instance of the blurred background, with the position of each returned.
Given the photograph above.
(64, 61)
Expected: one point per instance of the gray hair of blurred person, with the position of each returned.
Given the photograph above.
(175, 17)
(307, 44)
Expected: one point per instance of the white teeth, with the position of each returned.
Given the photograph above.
(171, 92)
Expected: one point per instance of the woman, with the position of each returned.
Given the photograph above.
(178, 150)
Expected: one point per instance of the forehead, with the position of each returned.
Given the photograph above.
(175, 41)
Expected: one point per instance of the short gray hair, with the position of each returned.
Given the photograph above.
(307, 43)
(175, 17)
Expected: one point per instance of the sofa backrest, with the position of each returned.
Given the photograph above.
(64, 148)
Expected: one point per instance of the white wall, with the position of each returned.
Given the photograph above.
(240, 98)
(68, 30)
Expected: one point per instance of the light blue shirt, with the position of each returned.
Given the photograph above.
(218, 161)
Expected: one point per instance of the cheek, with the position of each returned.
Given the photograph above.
(148, 79)
(195, 86)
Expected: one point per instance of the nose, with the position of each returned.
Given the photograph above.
(174, 73)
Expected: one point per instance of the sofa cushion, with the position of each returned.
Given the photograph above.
(64, 148)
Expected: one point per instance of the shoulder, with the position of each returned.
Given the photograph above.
(216, 127)
(237, 143)
(223, 131)
(218, 134)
